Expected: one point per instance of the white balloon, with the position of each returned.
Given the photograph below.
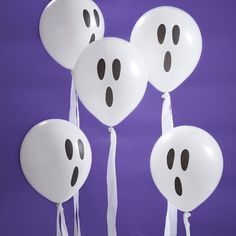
(56, 159)
(68, 26)
(110, 79)
(171, 44)
(186, 166)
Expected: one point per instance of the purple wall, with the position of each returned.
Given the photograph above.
(33, 88)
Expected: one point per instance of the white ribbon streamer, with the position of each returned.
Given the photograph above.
(74, 106)
(74, 118)
(76, 215)
(186, 223)
(112, 185)
(167, 124)
(61, 222)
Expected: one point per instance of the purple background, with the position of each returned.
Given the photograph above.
(34, 88)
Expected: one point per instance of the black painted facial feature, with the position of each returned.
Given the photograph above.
(178, 186)
(69, 153)
(92, 39)
(184, 164)
(69, 149)
(74, 176)
(81, 149)
(170, 158)
(161, 33)
(97, 18)
(185, 159)
(116, 69)
(109, 97)
(101, 68)
(167, 61)
(176, 34)
(87, 18)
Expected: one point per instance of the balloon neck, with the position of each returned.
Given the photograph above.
(110, 129)
(165, 95)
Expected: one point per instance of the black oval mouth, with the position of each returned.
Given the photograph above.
(92, 39)
(109, 97)
(74, 176)
(178, 186)
(167, 62)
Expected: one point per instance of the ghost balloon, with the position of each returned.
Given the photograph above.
(68, 26)
(186, 166)
(110, 79)
(56, 159)
(171, 44)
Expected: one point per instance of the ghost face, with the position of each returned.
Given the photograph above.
(186, 166)
(110, 79)
(171, 43)
(68, 26)
(56, 159)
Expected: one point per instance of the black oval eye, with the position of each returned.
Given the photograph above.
(116, 69)
(185, 159)
(170, 158)
(87, 18)
(176, 34)
(81, 149)
(101, 68)
(161, 33)
(97, 18)
(69, 149)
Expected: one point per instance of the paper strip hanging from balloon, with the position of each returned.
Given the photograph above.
(56, 160)
(186, 223)
(110, 80)
(171, 223)
(61, 221)
(171, 43)
(112, 184)
(75, 119)
(186, 166)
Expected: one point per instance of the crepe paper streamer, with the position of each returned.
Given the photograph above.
(167, 124)
(186, 223)
(74, 106)
(77, 231)
(112, 185)
(74, 118)
(61, 222)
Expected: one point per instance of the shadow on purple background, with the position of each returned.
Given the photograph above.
(33, 87)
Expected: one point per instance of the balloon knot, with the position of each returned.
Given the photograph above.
(110, 129)
(187, 215)
(165, 95)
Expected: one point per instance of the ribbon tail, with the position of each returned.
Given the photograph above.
(186, 223)
(74, 118)
(61, 222)
(74, 106)
(167, 124)
(112, 185)
(77, 231)
(171, 220)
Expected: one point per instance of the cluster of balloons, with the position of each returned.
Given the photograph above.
(110, 77)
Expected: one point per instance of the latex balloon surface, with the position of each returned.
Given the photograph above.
(68, 26)
(186, 166)
(171, 44)
(56, 159)
(110, 79)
